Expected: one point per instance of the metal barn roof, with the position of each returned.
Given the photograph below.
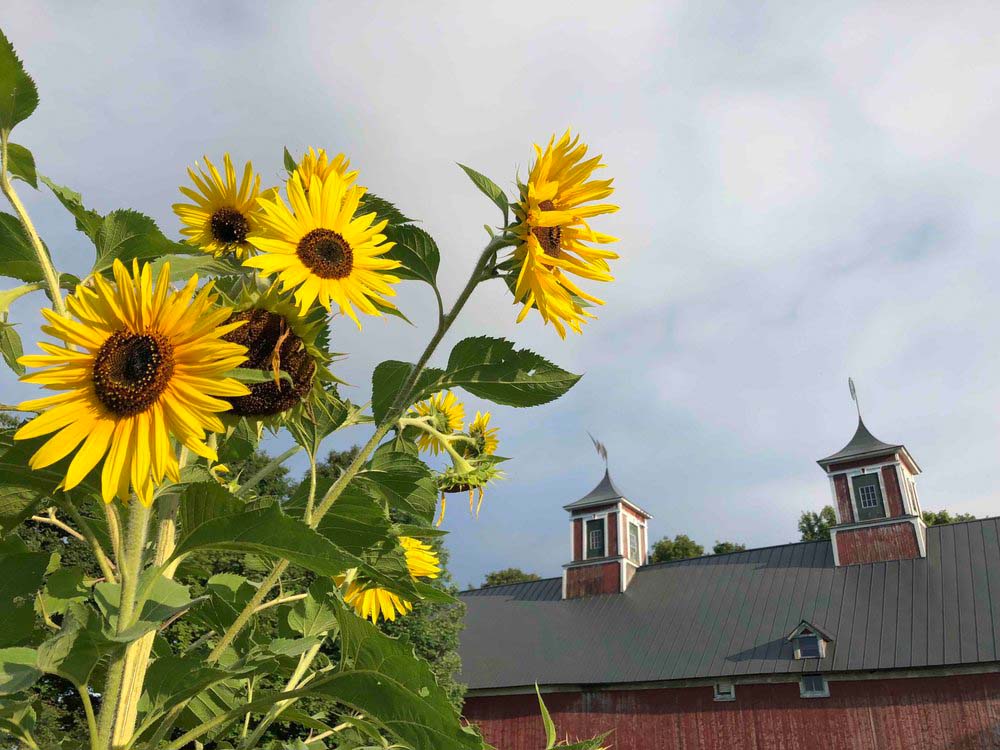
(728, 615)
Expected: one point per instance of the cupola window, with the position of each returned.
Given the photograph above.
(868, 495)
(595, 538)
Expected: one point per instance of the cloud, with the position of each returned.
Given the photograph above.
(808, 193)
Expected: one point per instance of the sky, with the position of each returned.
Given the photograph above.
(808, 192)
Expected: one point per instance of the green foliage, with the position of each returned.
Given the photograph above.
(940, 517)
(724, 548)
(18, 94)
(815, 527)
(508, 575)
(10, 347)
(17, 256)
(681, 547)
(21, 164)
(490, 189)
(417, 251)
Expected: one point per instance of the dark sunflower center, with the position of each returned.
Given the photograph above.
(271, 346)
(131, 370)
(326, 254)
(229, 226)
(549, 238)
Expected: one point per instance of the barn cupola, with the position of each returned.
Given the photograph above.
(607, 542)
(875, 497)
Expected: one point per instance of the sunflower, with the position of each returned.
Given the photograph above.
(322, 250)
(447, 415)
(484, 437)
(278, 339)
(315, 163)
(223, 213)
(554, 234)
(373, 602)
(147, 366)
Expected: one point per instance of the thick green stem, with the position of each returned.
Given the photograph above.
(244, 617)
(305, 661)
(88, 709)
(130, 568)
(312, 490)
(48, 270)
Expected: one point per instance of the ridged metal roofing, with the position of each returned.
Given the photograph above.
(727, 615)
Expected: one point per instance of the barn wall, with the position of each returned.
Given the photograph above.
(894, 541)
(929, 713)
(843, 498)
(895, 496)
(591, 580)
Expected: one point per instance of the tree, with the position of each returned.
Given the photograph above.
(508, 575)
(939, 517)
(680, 547)
(815, 527)
(723, 548)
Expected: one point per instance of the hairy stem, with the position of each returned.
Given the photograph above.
(48, 270)
(88, 709)
(130, 567)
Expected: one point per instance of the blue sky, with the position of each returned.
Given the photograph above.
(808, 191)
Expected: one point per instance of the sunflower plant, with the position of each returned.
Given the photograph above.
(165, 362)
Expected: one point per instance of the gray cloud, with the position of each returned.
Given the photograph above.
(808, 192)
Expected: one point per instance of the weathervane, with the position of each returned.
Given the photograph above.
(854, 396)
(599, 447)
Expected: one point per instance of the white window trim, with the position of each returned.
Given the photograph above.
(819, 639)
(723, 692)
(586, 541)
(855, 501)
(824, 693)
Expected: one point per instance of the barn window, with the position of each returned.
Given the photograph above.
(814, 686)
(724, 691)
(595, 538)
(809, 647)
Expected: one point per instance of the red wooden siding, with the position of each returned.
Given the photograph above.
(843, 498)
(577, 540)
(895, 497)
(930, 713)
(858, 463)
(894, 541)
(590, 580)
(612, 534)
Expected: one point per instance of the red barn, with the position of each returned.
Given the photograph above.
(887, 636)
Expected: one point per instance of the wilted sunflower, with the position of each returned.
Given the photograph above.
(484, 437)
(554, 234)
(373, 602)
(447, 415)
(315, 163)
(322, 250)
(223, 213)
(147, 366)
(473, 478)
(280, 341)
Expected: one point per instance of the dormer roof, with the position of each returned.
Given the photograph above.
(604, 493)
(807, 628)
(864, 445)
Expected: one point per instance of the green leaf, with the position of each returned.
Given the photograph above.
(17, 257)
(357, 522)
(14, 457)
(183, 267)
(492, 369)
(21, 575)
(289, 160)
(172, 679)
(18, 94)
(228, 594)
(87, 221)
(18, 669)
(126, 235)
(310, 427)
(490, 189)
(203, 501)
(162, 600)
(417, 251)
(248, 375)
(381, 678)
(550, 727)
(317, 613)
(17, 504)
(21, 164)
(384, 210)
(388, 379)
(17, 718)
(75, 650)
(63, 588)
(10, 347)
(403, 482)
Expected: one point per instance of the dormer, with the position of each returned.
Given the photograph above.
(607, 542)
(875, 496)
(809, 641)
